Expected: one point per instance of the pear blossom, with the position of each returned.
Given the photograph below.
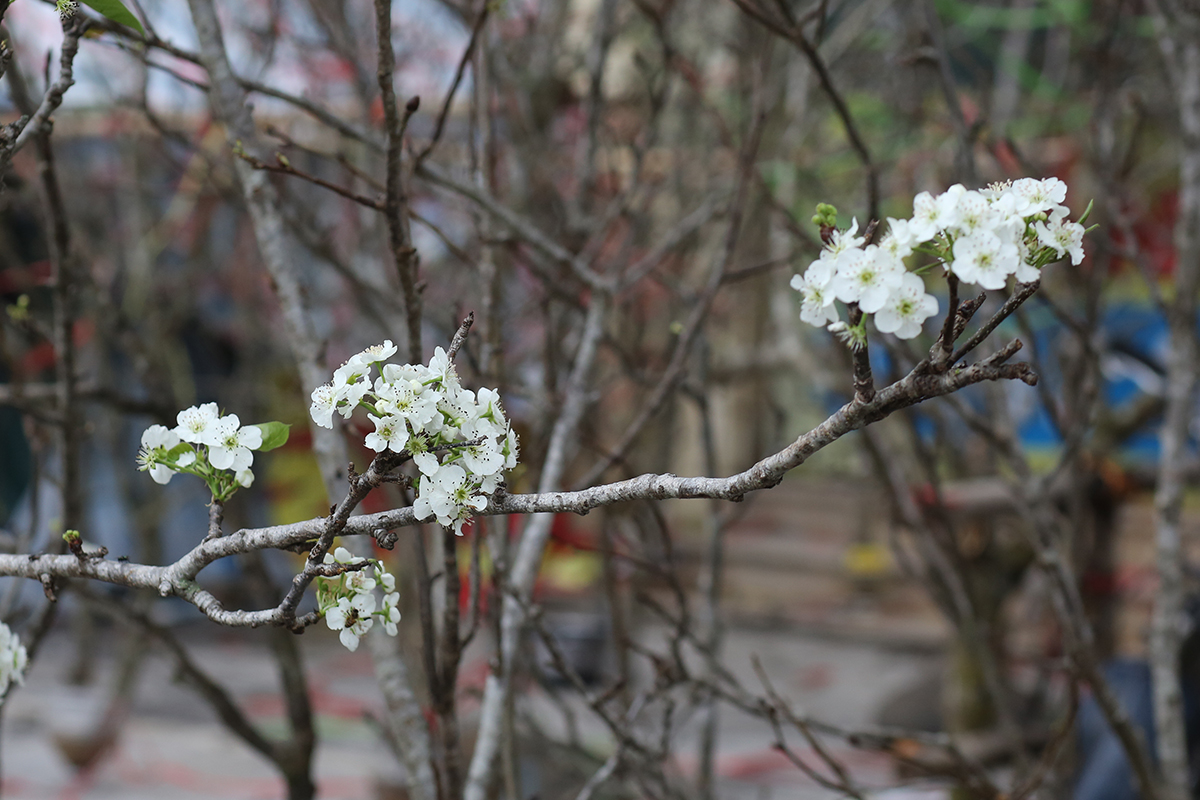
(217, 449)
(1063, 237)
(842, 241)
(484, 458)
(974, 213)
(351, 382)
(349, 602)
(373, 354)
(867, 277)
(13, 659)
(447, 496)
(1033, 195)
(157, 443)
(337, 616)
(390, 613)
(459, 439)
(341, 555)
(427, 463)
(195, 424)
(324, 401)
(510, 449)
(441, 369)
(816, 306)
(984, 259)
(933, 215)
(1011, 228)
(351, 634)
(907, 309)
(390, 434)
(231, 445)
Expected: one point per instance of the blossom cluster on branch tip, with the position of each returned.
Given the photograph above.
(348, 601)
(218, 449)
(460, 440)
(1009, 229)
(13, 659)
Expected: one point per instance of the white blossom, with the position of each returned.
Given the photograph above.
(373, 354)
(13, 658)
(982, 258)
(974, 213)
(982, 237)
(447, 496)
(349, 603)
(324, 401)
(1034, 196)
(511, 449)
(867, 277)
(933, 215)
(816, 306)
(441, 369)
(842, 241)
(195, 424)
(351, 382)
(907, 309)
(350, 636)
(484, 458)
(341, 555)
(360, 581)
(232, 443)
(1063, 237)
(390, 434)
(337, 616)
(459, 439)
(157, 443)
(390, 613)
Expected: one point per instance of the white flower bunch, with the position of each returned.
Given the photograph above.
(982, 237)
(348, 601)
(13, 658)
(218, 449)
(460, 440)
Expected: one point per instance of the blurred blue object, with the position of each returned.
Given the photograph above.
(1104, 771)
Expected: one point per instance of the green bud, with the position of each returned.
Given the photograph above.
(826, 216)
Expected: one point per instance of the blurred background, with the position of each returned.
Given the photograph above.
(892, 583)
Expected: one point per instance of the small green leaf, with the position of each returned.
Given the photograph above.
(175, 452)
(274, 434)
(117, 12)
(1087, 212)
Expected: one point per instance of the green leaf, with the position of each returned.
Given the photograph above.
(274, 434)
(175, 452)
(117, 12)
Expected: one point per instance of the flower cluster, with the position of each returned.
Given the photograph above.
(216, 448)
(982, 237)
(13, 659)
(348, 601)
(460, 440)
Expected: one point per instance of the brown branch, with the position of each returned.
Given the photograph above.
(476, 29)
(396, 202)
